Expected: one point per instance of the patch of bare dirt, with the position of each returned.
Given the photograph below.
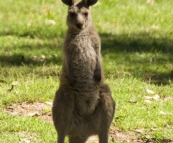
(37, 109)
(130, 137)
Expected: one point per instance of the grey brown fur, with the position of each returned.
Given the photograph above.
(83, 105)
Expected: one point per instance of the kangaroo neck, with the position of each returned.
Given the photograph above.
(76, 32)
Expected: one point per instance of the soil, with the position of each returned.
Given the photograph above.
(37, 109)
(43, 111)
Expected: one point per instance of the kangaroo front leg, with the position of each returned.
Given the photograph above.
(97, 72)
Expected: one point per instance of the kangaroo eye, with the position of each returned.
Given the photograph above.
(72, 14)
(86, 14)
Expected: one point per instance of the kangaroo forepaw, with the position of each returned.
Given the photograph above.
(97, 76)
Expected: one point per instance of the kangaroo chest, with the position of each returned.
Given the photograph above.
(83, 53)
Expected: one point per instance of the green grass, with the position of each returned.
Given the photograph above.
(21, 129)
(137, 48)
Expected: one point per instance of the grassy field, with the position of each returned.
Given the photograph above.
(137, 49)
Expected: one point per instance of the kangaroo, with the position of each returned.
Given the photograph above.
(83, 105)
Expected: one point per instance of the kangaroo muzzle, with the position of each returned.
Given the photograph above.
(80, 22)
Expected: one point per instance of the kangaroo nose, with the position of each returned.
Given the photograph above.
(79, 25)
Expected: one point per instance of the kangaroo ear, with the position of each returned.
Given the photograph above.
(91, 2)
(68, 2)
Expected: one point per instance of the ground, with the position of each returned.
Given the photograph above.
(43, 111)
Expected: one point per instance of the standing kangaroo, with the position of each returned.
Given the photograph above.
(83, 105)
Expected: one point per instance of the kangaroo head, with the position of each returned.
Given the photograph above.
(79, 16)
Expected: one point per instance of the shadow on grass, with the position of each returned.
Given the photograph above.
(127, 46)
(21, 59)
(36, 54)
(155, 140)
(136, 42)
(143, 55)
(32, 55)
